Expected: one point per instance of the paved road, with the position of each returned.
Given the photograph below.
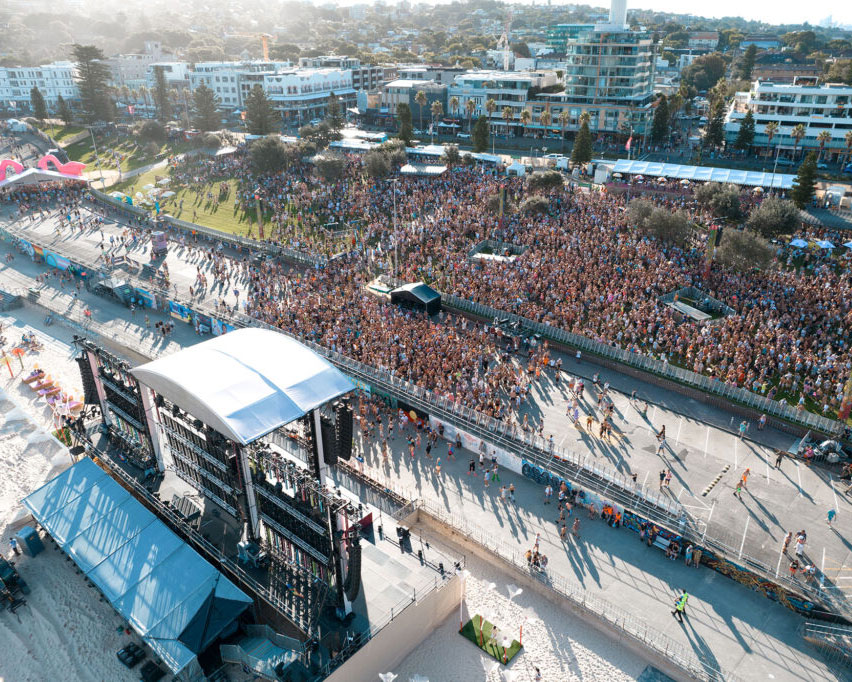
(727, 623)
(701, 441)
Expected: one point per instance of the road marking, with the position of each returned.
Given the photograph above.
(834, 492)
(778, 567)
(767, 470)
(736, 460)
(799, 474)
(707, 525)
(645, 480)
(680, 493)
(706, 442)
(742, 544)
(677, 437)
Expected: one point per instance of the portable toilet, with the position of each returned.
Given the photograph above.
(29, 541)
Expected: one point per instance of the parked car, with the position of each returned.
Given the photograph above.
(822, 165)
(463, 136)
(847, 168)
(784, 162)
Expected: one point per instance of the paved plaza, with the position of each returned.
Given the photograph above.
(739, 629)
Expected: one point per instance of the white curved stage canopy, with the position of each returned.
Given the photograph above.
(246, 383)
(704, 173)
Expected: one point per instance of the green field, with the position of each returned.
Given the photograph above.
(470, 631)
(61, 132)
(197, 208)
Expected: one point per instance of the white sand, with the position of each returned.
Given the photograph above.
(564, 648)
(65, 632)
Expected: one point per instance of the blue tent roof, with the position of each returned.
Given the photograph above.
(704, 173)
(174, 599)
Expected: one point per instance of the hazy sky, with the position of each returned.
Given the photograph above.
(772, 11)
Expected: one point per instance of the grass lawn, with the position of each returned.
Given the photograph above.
(131, 155)
(470, 630)
(197, 208)
(61, 132)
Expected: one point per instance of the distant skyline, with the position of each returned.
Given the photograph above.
(771, 11)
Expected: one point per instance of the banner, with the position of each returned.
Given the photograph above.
(54, 260)
(505, 459)
(145, 299)
(180, 311)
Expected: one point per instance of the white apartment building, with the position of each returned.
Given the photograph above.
(226, 79)
(176, 73)
(818, 108)
(302, 95)
(52, 80)
(364, 76)
(507, 88)
(131, 70)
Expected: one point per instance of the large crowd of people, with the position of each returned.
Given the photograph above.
(581, 267)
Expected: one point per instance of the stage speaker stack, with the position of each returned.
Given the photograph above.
(329, 441)
(352, 581)
(343, 429)
(90, 392)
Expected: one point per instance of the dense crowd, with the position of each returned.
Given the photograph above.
(583, 268)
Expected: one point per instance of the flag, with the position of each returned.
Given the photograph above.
(243, 115)
(627, 146)
(131, 109)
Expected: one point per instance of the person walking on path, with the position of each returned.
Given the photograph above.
(662, 478)
(548, 493)
(668, 478)
(743, 427)
(787, 539)
(512, 493)
(761, 423)
(13, 543)
(830, 516)
(738, 491)
(687, 555)
(696, 557)
(471, 467)
(779, 457)
(680, 606)
(575, 529)
(744, 478)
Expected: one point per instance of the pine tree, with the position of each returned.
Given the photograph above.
(205, 106)
(335, 116)
(37, 103)
(403, 115)
(748, 62)
(63, 110)
(92, 77)
(745, 136)
(660, 126)
(715, 134)
(805, 182)
(480, 134)
(260, 117)
(161, 95)
(582, 152)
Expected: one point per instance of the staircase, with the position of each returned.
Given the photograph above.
(835, 641)
(260, 654)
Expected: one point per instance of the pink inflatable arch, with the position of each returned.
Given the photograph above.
(70, 168)
(9, 163)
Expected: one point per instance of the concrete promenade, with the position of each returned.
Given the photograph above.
(738, 629)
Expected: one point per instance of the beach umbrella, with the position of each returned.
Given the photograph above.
(148, 186)
(166, 195)
(616, 175)
(684, 182)
(798, 243)
(19, 353)
(758, 190)
(117, 195)
(825, 244)
(639, 177)
(164, 181)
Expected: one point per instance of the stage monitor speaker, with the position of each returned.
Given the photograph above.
(343, 430)
(352, 581)
(90, 392)
(329, 444)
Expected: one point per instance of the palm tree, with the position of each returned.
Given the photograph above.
(526, 117)
(437, 112)
(771, 130)
(823, 138)
(470, 107)
(454, 105)
(507, 116)
(848, 140)
(564, 117)
(143, 93)
(585, 117)
(420, 98)
(134, 95)
(545, 119)
(490, 107)
(797, 134)
(125, 94)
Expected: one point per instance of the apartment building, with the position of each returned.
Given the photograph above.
(53, 80)
(232, 81)
(364, 76)
(818, 107)
(131, 70)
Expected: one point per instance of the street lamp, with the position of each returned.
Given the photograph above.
(97, 157)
